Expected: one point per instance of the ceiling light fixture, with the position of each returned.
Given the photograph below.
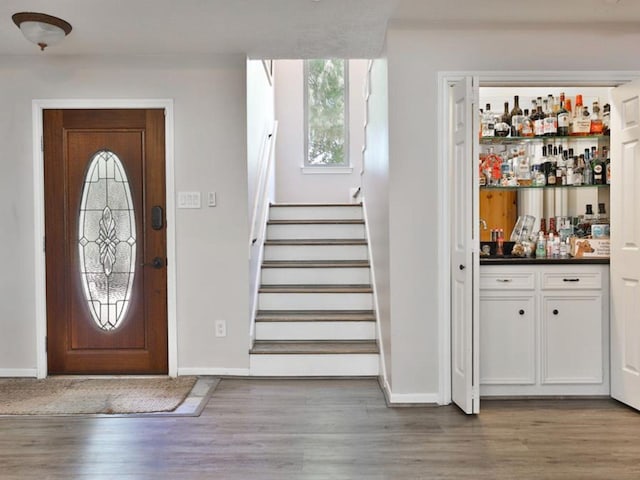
(41, 29)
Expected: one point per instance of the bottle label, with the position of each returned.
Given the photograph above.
(563, 120)
(550, 125)
(581, 126)
(538, 127)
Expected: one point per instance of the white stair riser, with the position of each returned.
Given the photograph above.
(315, 252)
(315, 276)
(315, 331)
(314, 365)
(316, 231)
(315, 301)
(310, 212)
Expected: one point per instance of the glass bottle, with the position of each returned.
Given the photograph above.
(527, 125)
(581, 120)
(488, 122)
(587, 171)
(517, 118)
(541, 246)
(598, 168)
(538, 119)
(596, 120)
(563, 117)
(551, 166)
(606, 119)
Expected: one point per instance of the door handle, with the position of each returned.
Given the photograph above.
(157, 217)
(461, 267)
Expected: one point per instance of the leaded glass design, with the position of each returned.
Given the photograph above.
(107, 240)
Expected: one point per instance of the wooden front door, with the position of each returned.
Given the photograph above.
(105, 241)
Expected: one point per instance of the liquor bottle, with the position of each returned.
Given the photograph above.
(503, 122)
(550, 121)
(567, 106)
(517, 118)
(551, 166)
(606, 119)
(607, 167)
(488, 124)
(596, 120)
(541, 246)
(506, 116)
(527, 125)
(598, 168)
(581, 120)
(543, 226)
(552, 226)
(500, 243)
(563, 117)
(538, 119)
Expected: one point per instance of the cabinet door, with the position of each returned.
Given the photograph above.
(571, 339)
(507, 340)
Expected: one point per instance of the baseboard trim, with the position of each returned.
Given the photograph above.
(202, 371)
(18, 372)
(406, 399)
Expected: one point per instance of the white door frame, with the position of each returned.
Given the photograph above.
(39, 229)
(487, 79)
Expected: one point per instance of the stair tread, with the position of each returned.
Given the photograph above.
(319, 221)
(359, 204)
(316, 289)
(315, 316)
(288, 347)
(315, 264)
(317, 241)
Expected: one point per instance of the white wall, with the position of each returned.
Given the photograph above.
(375, 191)
(260, 117)
(292, 184)
(415, 56)
(210, 155)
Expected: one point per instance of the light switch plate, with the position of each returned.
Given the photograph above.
(212, 199)
(188, 199)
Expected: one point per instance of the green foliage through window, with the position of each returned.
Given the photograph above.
(325, 85)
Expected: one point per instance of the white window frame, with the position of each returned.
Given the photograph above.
(328, 168)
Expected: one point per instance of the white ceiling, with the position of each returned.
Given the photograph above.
(286, 28)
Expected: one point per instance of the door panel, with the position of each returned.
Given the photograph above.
(106, 302)
(464, 241)
(625, 244)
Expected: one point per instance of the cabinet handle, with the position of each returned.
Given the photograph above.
(570, 279)
(555, 311)
(503, 280)
(521, 312)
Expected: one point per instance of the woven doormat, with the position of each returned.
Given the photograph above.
(69, 396)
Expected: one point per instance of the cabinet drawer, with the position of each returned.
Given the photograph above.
(572, 280)
(507, 281)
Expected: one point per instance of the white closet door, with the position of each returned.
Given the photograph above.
(625, 245)
(464, 246)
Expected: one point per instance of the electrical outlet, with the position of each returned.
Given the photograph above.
(221, 328)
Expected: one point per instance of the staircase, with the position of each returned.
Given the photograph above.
(315, 304)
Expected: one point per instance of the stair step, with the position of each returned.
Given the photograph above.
(318, 221)
(314, 347)
(315, 241)
(319, 250)
(315, 289)
(315, 316)
(316, 211)
(315, 331)
(315, 264)
(316, 229)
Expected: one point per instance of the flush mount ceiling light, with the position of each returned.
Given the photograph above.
(41, 29)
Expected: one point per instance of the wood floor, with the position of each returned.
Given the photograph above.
(330, 429)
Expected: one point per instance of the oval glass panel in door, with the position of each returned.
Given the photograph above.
(107, 240)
